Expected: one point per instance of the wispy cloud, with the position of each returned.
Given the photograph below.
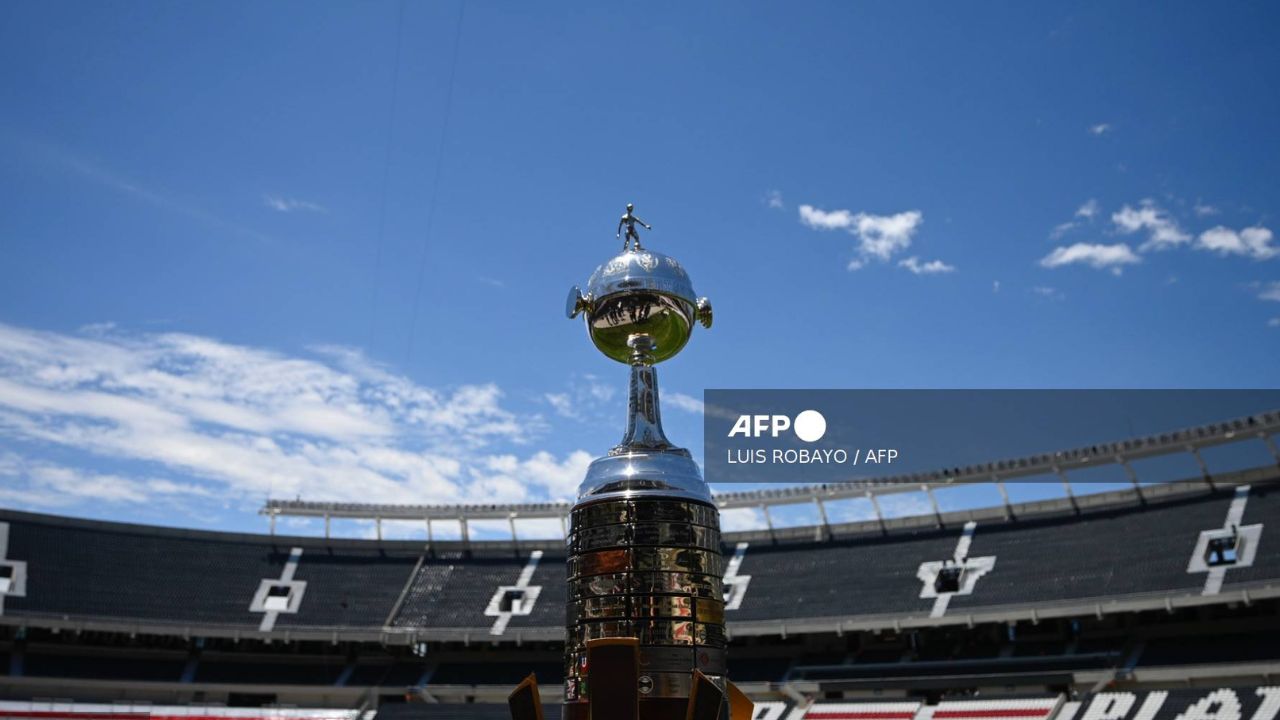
(48, 485)
(506, 478)
(1206, 210)
(1269, 291)
(680, 401)
(773, 199)
(100, 174)
(1274, 322)
(288, 204)
(561, 403)
(932, 267)
(880, 237)
(695, 406)
(586, 398)
(1102, 257)
(1162, 230)
(1048, 292)
(1083, 216)
(741, 519)
(1100, 129)
(201, 416)
(1254, 242)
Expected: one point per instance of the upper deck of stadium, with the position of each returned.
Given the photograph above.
(1089, 555)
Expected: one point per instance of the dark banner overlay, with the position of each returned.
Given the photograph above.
(834, 436)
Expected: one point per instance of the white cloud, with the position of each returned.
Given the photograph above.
(562, 404)
(506, 478)
(773, 199)
(1112, 257)
(741, 519)
(1163, 231)
(1205, 209)
(104, 176)
(883, 235)
(1100, 129)
(1084, 214)
(1270, 291)
(879, 236)
(586, 398)
(286, 205)
(680, 401)
(1254, 242)
(1061, 229)
(932, 267)
(49, 485)
(200, 417)
(823, 220)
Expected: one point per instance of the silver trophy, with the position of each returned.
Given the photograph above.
(645, 568)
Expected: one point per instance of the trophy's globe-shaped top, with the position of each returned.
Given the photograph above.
(640, 292)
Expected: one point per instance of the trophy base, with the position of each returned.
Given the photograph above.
(618, 693)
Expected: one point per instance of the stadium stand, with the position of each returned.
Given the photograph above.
(1248, 702)
(1012, 709)
(156, 578)
(862, 711)
(477, 711)
(106, 667)
(1050, 602)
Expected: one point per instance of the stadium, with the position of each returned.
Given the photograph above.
(985, 426)
(1157, 601)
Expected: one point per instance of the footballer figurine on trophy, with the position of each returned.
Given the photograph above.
(645, 615)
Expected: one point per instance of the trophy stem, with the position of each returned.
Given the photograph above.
(644, 419)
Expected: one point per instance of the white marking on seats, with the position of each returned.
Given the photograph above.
(286, 576)
(736, 583)
(4, 552)
(1248, 537)
(15, 582)
(941, 602)
(526, 575)
(524, 606)
(769, 710)
(966, 539)
(291, 565)
(972, 569)
(1151, 705)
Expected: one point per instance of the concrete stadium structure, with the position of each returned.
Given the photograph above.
(1174, 584)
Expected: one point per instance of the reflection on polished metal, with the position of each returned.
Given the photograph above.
(644, 541)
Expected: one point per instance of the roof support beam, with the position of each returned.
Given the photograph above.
(1004, 497)
(1204, 467)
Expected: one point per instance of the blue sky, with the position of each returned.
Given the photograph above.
(321, 249)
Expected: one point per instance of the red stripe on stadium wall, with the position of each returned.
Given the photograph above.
(76, 715)
(993, 713)
(858, 715)
(50, 714)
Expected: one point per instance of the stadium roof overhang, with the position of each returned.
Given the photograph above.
(1260, 427)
